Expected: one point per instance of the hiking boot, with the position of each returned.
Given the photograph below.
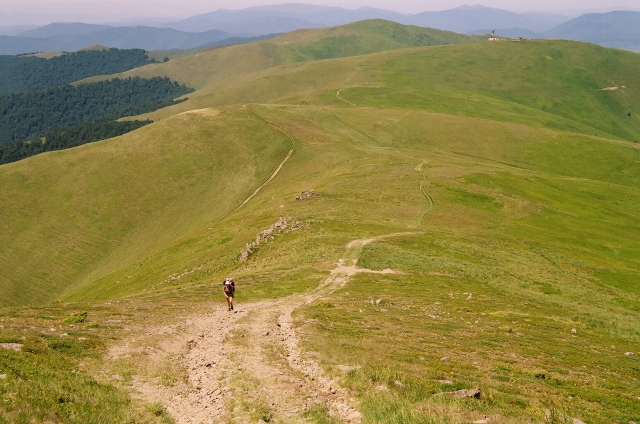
(232, 307)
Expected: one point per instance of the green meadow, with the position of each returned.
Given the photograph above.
(514, 175)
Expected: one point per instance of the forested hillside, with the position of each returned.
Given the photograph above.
(31, 73)
(67, 137)
(31, 114)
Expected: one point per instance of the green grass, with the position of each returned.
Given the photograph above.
(51, 379)
(553, 84)
(517, 174)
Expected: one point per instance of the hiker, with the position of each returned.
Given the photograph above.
(228, 288)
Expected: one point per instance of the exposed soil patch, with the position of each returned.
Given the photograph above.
(203, 112)
(245, 364)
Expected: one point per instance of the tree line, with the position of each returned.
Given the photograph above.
(30, 73)
(24, 116)
(67, 137)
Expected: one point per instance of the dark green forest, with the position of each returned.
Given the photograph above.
(30, 73)
(24, 116)
(67, 137)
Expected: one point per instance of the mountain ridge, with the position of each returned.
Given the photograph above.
(472, 231)
(614, 29)
(143, 37)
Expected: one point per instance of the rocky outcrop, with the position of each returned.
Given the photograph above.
(307, 194)
(283, 225)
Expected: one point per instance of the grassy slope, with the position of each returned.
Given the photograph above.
(107, 238)
(541, 251)
(139, 192)
(532, 233)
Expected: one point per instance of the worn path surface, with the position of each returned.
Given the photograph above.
(244, 364)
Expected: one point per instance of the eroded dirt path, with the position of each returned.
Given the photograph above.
(245, 364)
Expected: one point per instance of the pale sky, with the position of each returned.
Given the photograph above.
(107, 10)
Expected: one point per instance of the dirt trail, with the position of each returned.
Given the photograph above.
(266, 182)
(248, 363)
(343, 99)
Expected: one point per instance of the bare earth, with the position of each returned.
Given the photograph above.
(243, 363)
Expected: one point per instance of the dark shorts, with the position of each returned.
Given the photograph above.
(228, 294)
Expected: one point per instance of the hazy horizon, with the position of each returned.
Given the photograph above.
(20, 12)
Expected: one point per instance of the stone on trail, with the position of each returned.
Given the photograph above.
(354, 416)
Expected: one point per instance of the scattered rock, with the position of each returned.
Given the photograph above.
(445, 381)
(307, 194)
(398, 383)
(283, 225)
(64, 335)
(444, 358)
(347, 368)
(629, 353)
(574, 331)
(378, 301)
(461, 394)
(3, 376)
(11, 346)
(482, 421)
(381, 388)
(577, 421)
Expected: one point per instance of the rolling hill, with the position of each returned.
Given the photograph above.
(471, 253)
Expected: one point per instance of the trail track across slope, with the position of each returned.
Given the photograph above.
(267, 182)
(245, 363)
(343, 99)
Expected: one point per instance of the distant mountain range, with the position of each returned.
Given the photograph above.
(72, 37)
(288, 17)
(615, 29)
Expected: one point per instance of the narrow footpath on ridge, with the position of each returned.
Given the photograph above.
(248, 357)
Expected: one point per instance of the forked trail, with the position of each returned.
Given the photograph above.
(249, 363)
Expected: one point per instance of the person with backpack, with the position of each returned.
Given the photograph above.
(229, 288)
